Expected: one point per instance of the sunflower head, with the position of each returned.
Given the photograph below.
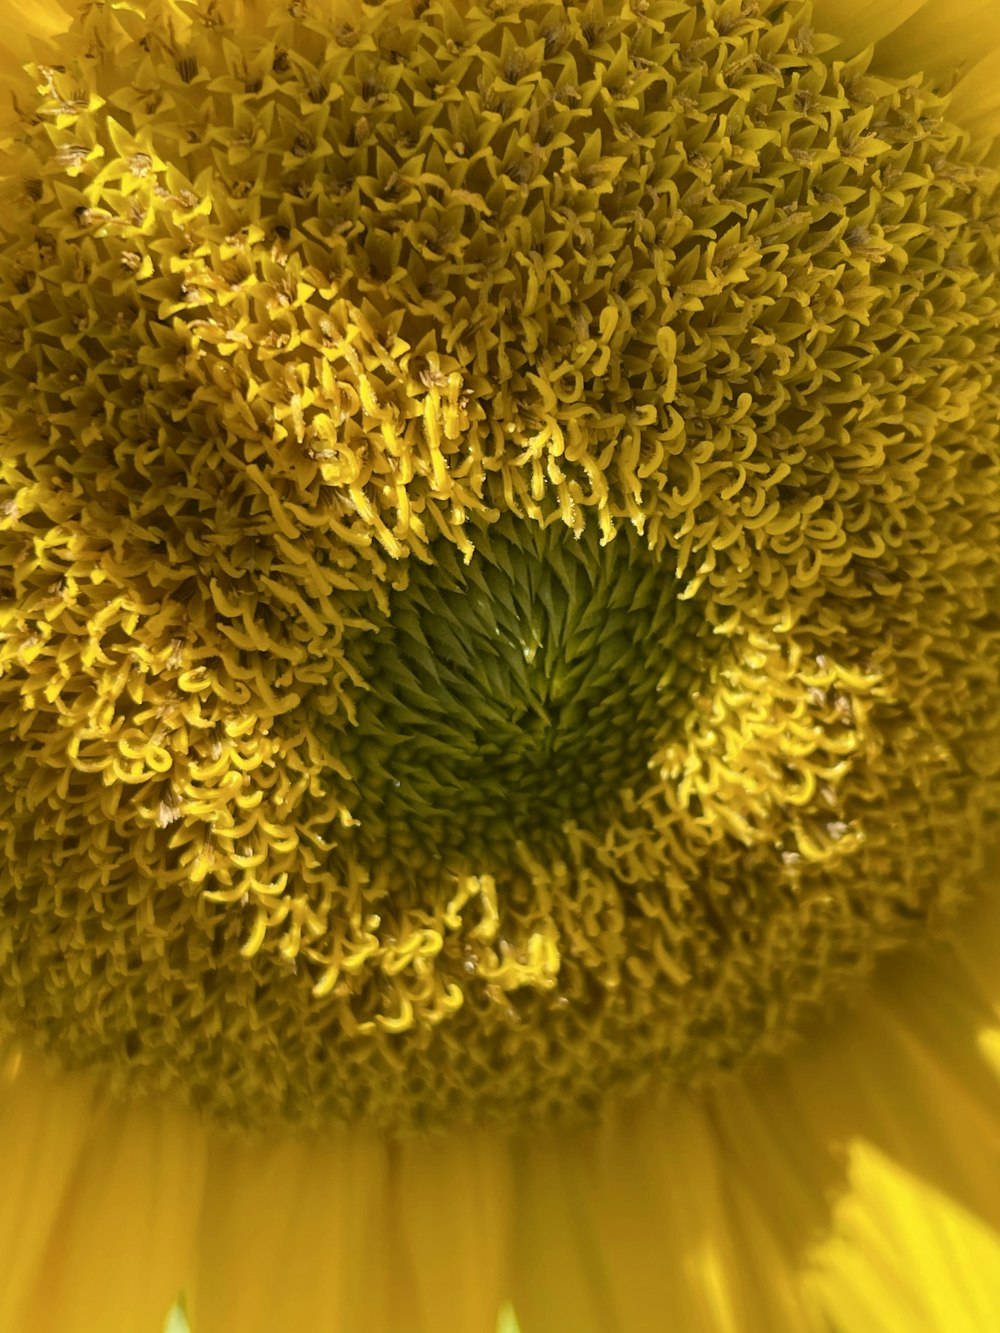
(499, 510)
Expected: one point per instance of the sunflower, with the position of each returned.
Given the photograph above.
(500, 666)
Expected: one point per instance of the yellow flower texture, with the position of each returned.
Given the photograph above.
(500, 665)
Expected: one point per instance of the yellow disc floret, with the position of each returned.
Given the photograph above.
(500, 529)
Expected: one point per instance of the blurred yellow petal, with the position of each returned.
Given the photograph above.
(906, 1072)
(894, 1112)
(295, 1234)
(763, 1210)
(43, 1125)
(342, 1233)
(904, 1255)
(942, 38)
(859, 23)
(20, 23)
(638, 1226)
(975, 102)
(559, 1276)
(958, 44)
(451, 1208)
(119, 1246)
(915, 35)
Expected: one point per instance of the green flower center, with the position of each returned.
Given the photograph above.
(499, 547)
(517, 693)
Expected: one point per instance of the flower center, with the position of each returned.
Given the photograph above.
(517, 693)
(500, 580)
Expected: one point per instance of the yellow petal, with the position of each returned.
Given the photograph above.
(904, 1255)
(913, 34)
(859, 23)
(639, 1227)
(43, 1124)
(119, 1245)
(850, 1185)
(975, 102)
(955, 42)
(877, 1146)
(295, 1234)
(941, 37)
(559, 1277)
(21, 26)
(451, 1202)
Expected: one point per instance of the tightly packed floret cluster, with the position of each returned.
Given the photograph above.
(498, 545)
